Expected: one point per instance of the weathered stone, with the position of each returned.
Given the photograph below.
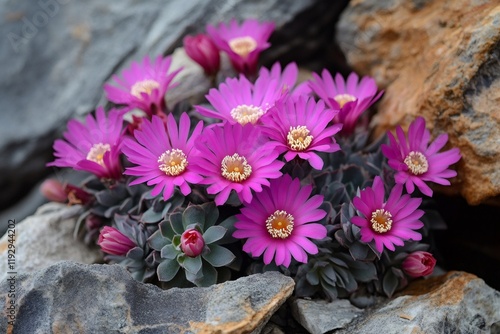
(56, 55)
(439, 60)
(319, 316)
(457, 302)
(75, 298)
(42, 240)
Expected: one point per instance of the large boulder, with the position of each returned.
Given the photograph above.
(439, 60)
(74, 298)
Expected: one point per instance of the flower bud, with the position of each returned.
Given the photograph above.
(114, 242)
(53, 190)
(202, 50)
(192, 243)
(419, 264)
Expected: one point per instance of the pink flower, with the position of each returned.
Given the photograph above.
(192, 243)
(235, 157)
(240, 101)
(163, 153)
(202, 50)
(53, 190)
(114, 242)
(419, 264)
(287, 79)
(388, 223)
(352, 98)
(143, 85)
(244, 43)
(415, 161)
(94, 146)
(278, 222)
(300, 128)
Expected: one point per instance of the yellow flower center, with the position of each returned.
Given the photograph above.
(381, 221)
(417, 163)
(280, 224)
(244, 114)
(145, 86)
(235, 168)
(243, 45)
(173, 162)
(342, 99)
(96, 153)
(299, 138)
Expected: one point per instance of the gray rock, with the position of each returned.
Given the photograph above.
(42, 240)
(454, 303)
(319, 316)
(55, 56)
(75, 298)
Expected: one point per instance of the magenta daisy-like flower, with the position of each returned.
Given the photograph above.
(143, 85)
(299, 126)
(163, 154)
(243, 43)
(287, 79)
(279, 222)
(387, 223)
(240, 101)
(415, 161)
(93, 146)
(351, 97)
(236, 157)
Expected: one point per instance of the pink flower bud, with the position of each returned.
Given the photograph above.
(53, 190)
(114, 242)
(192, 243)
(202, 50)
(419, 264)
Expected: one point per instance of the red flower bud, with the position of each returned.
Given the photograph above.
(192, 243)
(114, 242)
(53, 190)
(419, 264)
(202, 50)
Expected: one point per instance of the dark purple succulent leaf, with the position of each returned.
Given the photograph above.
(358, 251)
(390, 283)
(167, 269)
(194, 214)
(136, 253)
(208, 276)
(157, 241)
(218, 256)
(211, 214)
(151, 216)
(312, 278)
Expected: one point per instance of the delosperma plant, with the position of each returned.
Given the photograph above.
(282, 177)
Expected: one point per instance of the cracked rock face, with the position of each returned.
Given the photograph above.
(75, 298)
(457, 302)
(440, 60)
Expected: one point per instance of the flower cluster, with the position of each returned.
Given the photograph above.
(282, 176)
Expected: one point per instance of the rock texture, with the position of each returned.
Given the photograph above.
(318, 316)
(438, 59)
(55, 56)
(454, 303)
(44, 239)
(75, 298)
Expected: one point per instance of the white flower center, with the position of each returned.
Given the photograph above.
(243, 45)
(235, 168)
(173, 162)
(299, 138)
(280, 224)
(417, 163)
(244, 114)
(96, 153)
(145, 86)
(342, 99)
(381, 221)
